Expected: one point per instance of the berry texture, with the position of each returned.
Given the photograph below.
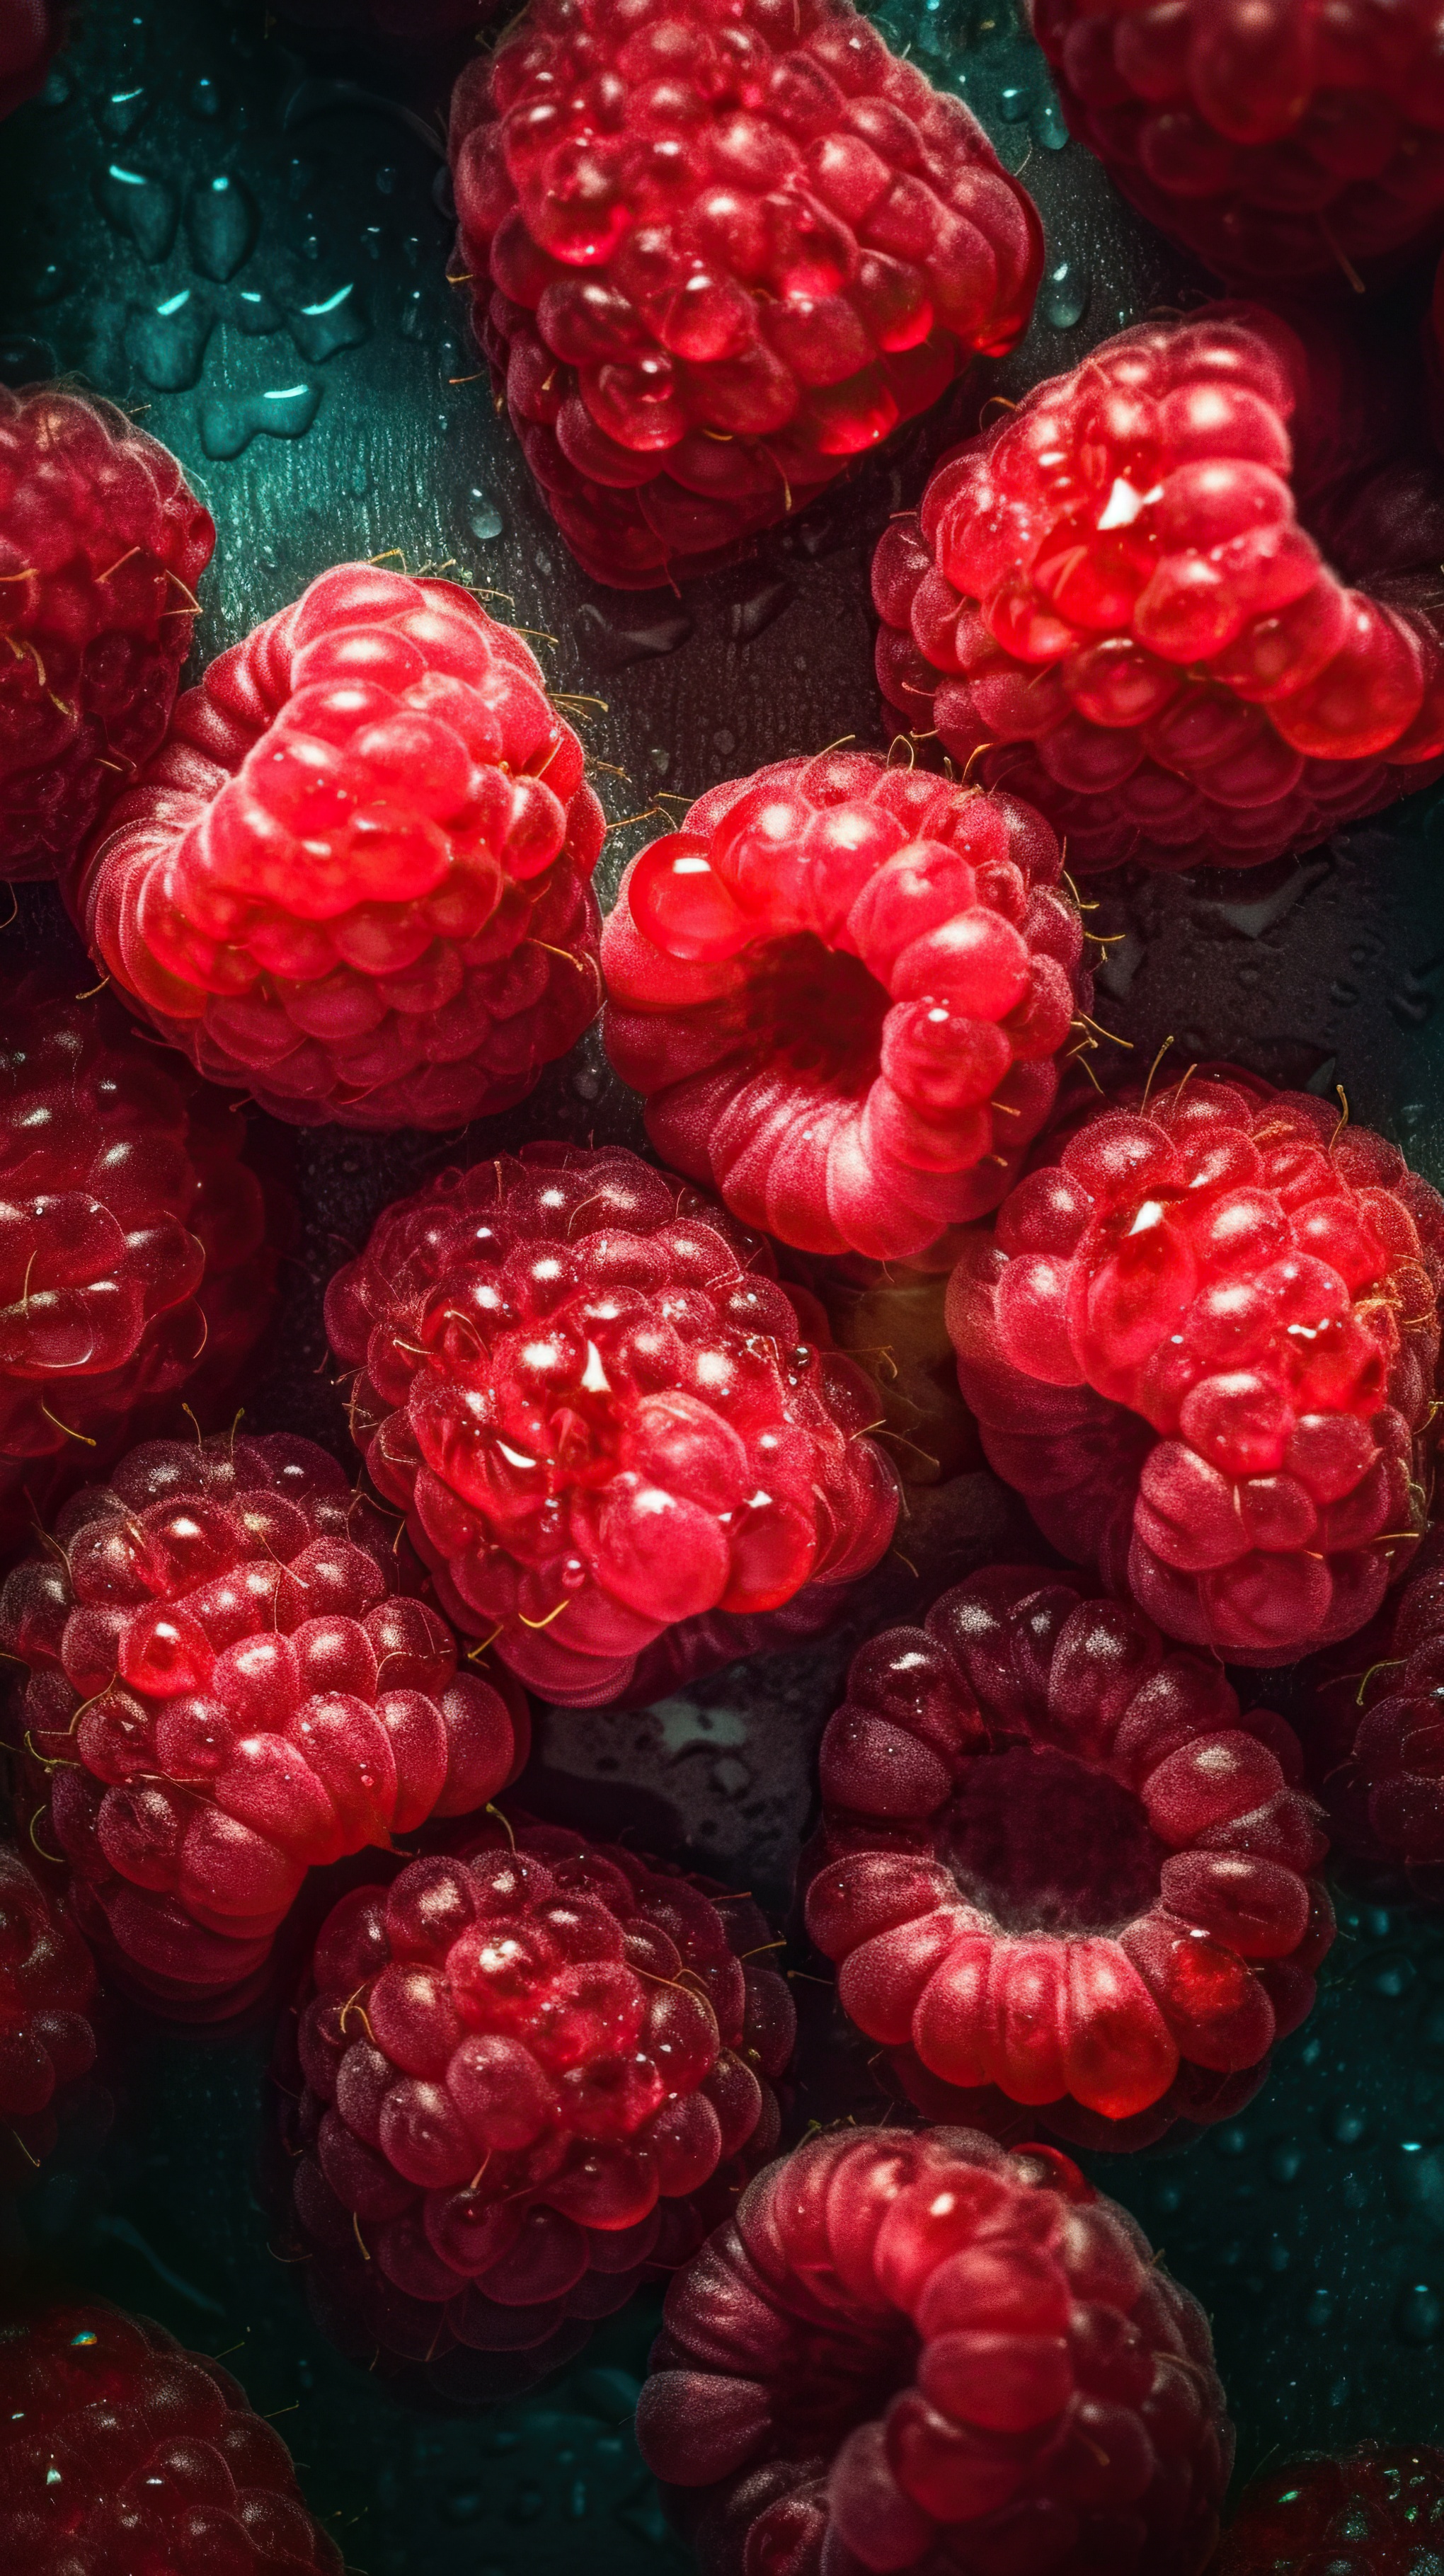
(924, 2353)
(229, 1686)
(47, 1988)
(843, 989)
(1201, 1343)
(1059, 1862)
(1286, 145)
(29, 33)
(525, 2074)
(1375, 1748)
(357, 879)
(716, 250)
(1131, 598)
(604, 1418)
(133, 1259)
(120, 2451)
(1373, 2512)
(101, 547)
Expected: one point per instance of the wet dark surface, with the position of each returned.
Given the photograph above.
(249, 249)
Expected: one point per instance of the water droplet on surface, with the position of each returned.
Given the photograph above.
(253, 312)
(204, 99)
(386, 178)
(230, 421)
(1345, 2125)
(759, 607)
(482, 515)
(222, 220)
(120, 114)
(1048, 125)
(1419, 2313)
(335, 322)
(138, 204)
(58, 89)
(1065, 295)
(46, 283)
(167, 343)
(1013, 104)
(413, 314)
(610, 645)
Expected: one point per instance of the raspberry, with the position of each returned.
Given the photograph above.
(357, 880)
(101, 546)
(119, 2450)
(1057, 1860)
(603, 1416)
(1115, 600)
(700, 224)
(47, 1988)
(842, 989)
(132, 1254)
(29, 34)
(921, 2352)
(1201, 1343)
(228, 1686)
(519, 2071)
(1372, 2512)
(1283, 145)
(1374, 1734)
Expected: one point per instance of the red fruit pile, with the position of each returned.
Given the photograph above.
(603, 1417)
(29, 33)
(1111, 600)
(47, 1987)
(843, 989)
(1373, 2512)
(228, 1687)
(1060, 1862)
(132, 1255)
(923, 2353)
(1201, 1343)
(717, 249)
(101, 547)
(357, 880)
(519, 2072)
(1282, 144)
(1376, 1748)
(119, 2451)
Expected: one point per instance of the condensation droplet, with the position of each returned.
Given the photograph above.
(337, 321)
(140, 205)
(1419, 2313)
(1065, 295)
(222, 222)
(230, 421)
(204, 99)
(1048, 126)
(167, 342)
(118, 115)
(253, 311)
(413, 314)
(482, 515)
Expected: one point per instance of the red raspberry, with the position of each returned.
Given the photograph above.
(1282, 144)
(119, 2450)
(221, 1636)
(1057, 1859)
(924, 2353)
(47, 1988)
(132, 1254)
(30, 30)
(1371, 2513)
(1201, 1343)
(1374, 1741)
(693, 225)
(843, 988)
(602, 1416)
(101, 546)
(1113, 598)
(357, 880)
(519, 2070)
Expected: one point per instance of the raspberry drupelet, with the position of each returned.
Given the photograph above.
(121, 2451)
(923, 2353)
(843, 989)
(134, 1267)
(523, 2073)
(29, 34)
(1058, 1861)
(1288, 145)
(1371, 2512)
(1373, 1735)
(1129, 599)
(101, 546)
(1201, 1343)
(716, 250)
(229, 1685)
(604, 1418)
(357, 879)
(47, 1989)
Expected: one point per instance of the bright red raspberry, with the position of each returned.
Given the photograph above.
(603, 1416)
(1374, 1739)
(229, 1685)
(133, 1261)
(101, 546)
(1283, 144)
(919, 2352)
(47, 1989)
(357, 879)
(119, 2450)
(520, 2072)
(1373, 2512)
(717, 249)
(1201, 1343)
(1058, 1860)
(30, 30)
(843, 989)
(1115, 598)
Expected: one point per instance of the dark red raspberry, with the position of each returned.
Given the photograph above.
(693, 226)
(1283, 144)
(521, 2072)
(1373, 2512)
(1114, 599)
(101, 546)
(1057, 1860)
(133, 1263)
(1201, 1343)
(120, 2451)
(30, 30)
(228, 1686)
(843, 989)
(924, 2353)
(47, 1988)
(603, 1416)
(357, 880)
(1376, 1749)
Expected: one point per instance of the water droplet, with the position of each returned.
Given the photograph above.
(1285, 2162)
(1419, 2313)
(120, 114)
(337, 322)
(752, 614)
(1013, 104)
(386, 178)
(372, 237)
(141, 205)
(609, 644)
(413, 314)
(1318, 2314)
(167, 343)
(230, 421)
(730, 1776)
(1048, 126)
(482, 515)
(299, 175)
(1345, 2125)
(254, 312)
(58, 89)
(46, 283)
(1065, 295)
(205, 98)
(222, 221)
